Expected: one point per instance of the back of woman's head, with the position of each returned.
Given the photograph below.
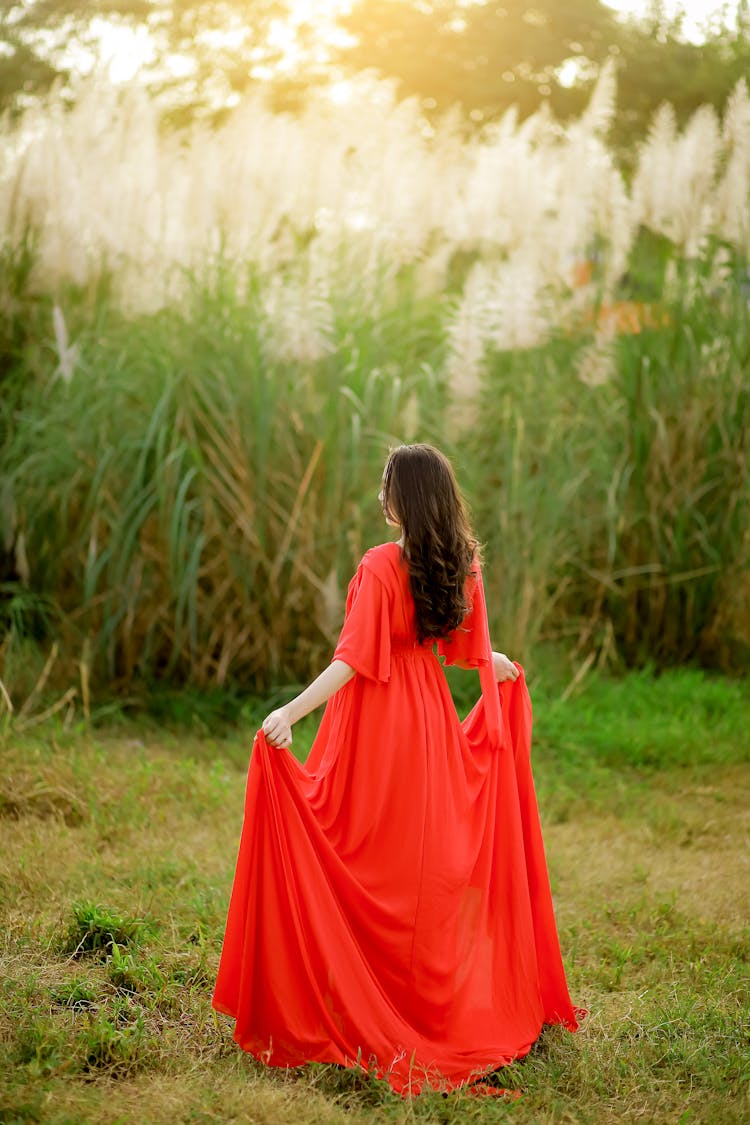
(420, 493)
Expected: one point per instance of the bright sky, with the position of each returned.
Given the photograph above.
(125, 51)
(697, 12)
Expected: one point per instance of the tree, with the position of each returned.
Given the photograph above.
(489, 56)
(38, 34)
(657, 65)
(483, 56)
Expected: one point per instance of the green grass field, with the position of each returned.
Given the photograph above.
(117, 847)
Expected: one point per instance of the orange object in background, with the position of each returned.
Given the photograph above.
(630, 317)
(583, 272)
(391, 906)
(621, 318)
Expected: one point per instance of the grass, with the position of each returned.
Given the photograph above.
(172, 521)
(195, 412)
(117, 845)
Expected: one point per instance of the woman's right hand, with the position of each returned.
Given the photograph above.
(278, 729)
(503, 668)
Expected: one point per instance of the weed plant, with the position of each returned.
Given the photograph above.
(94, 929)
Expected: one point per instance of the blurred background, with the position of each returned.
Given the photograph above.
(247, 247)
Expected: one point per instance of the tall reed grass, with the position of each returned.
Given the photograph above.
(344, 196)
(196, 510)
(626, 501)
(209, 341)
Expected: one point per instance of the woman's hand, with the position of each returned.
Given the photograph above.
(503, 668)
(277, 728)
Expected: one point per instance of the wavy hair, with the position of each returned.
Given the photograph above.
(421, 494)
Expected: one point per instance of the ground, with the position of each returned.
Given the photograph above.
(122, 838)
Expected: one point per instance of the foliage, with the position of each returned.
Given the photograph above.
(202, 395)
(676, 525)
(96, 929)
(492, 57)
(643, 538)
(208, 538)
(75, 993)
(479, 60)
(41, 38)
(196, 536)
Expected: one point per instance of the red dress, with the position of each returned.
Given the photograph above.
(391, 905)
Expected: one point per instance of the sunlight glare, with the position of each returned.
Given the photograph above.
(698, 13)
(123, 50)
(567, 75)
(220, 38)
(286, 36)
(340, 92)
(318, 12)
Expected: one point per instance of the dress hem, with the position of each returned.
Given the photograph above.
(419, 1078)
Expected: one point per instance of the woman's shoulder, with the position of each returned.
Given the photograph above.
(383, 560)
(385, 550)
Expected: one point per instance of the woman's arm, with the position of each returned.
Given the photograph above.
(277, 726)
(503, 668)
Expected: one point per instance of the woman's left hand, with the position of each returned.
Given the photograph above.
(503, 668)
(277, 728)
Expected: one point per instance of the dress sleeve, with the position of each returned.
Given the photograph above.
(365, 640)
(470, 646)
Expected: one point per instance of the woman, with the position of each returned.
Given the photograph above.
(391, 906)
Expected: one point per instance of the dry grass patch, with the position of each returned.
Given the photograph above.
(683, 840)
(650, 882)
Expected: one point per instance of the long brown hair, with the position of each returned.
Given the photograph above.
(421, 494)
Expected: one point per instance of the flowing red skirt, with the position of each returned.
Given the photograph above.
(391, 906)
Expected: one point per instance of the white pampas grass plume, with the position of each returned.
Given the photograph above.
(330, 605)
(409, 422)
(519, 310)
(467, 331)
(652, 181)
(330, 207)
(67, 353)
(300, 322)
(600, 111)
(733, 192)
(674, 185)
(595, 364)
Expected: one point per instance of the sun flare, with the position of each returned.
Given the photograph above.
(698, 14)
(318, 12)
(305, 35)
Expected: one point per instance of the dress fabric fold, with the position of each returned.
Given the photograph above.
(391, 906)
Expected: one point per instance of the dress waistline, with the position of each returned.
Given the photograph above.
(406, 649)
